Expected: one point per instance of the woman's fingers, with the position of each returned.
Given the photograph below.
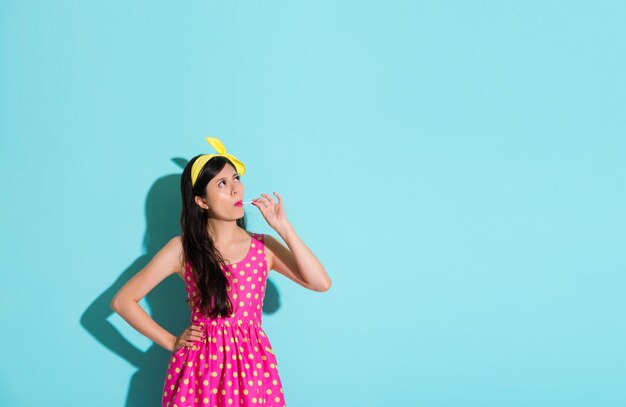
(264, 201)
(196, 333)
(259, 204)
(269, 198)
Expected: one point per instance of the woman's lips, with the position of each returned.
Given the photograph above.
(239, 203)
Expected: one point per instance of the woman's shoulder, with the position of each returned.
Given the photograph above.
(258, 236)
(176, 243)
(253, 234)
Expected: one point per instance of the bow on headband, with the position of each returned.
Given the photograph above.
(221, 151)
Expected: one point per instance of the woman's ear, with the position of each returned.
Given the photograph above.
(201, 203)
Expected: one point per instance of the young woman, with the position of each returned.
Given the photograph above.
(224, 357)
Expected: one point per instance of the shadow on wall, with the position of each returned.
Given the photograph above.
(166, 301)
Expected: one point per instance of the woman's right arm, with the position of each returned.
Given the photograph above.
(165, 263)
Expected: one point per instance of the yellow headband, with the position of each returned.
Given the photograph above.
(221, 151)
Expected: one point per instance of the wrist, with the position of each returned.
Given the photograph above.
(285, 231)
(172, 343)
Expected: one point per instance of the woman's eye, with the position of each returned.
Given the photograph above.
(237, 177)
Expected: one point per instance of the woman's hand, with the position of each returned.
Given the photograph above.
(274, 213)
(190, 334)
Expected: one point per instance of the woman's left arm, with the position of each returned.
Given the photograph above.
(298, 262)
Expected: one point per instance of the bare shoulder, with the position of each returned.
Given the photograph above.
(174, 248)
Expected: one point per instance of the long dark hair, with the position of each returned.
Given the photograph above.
(198, 246)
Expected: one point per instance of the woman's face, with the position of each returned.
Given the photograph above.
(221, 194)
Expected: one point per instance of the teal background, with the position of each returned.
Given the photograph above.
(457, 166)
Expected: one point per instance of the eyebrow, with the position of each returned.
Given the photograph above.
(234, 175)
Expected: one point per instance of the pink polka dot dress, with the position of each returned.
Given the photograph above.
(235, 365)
